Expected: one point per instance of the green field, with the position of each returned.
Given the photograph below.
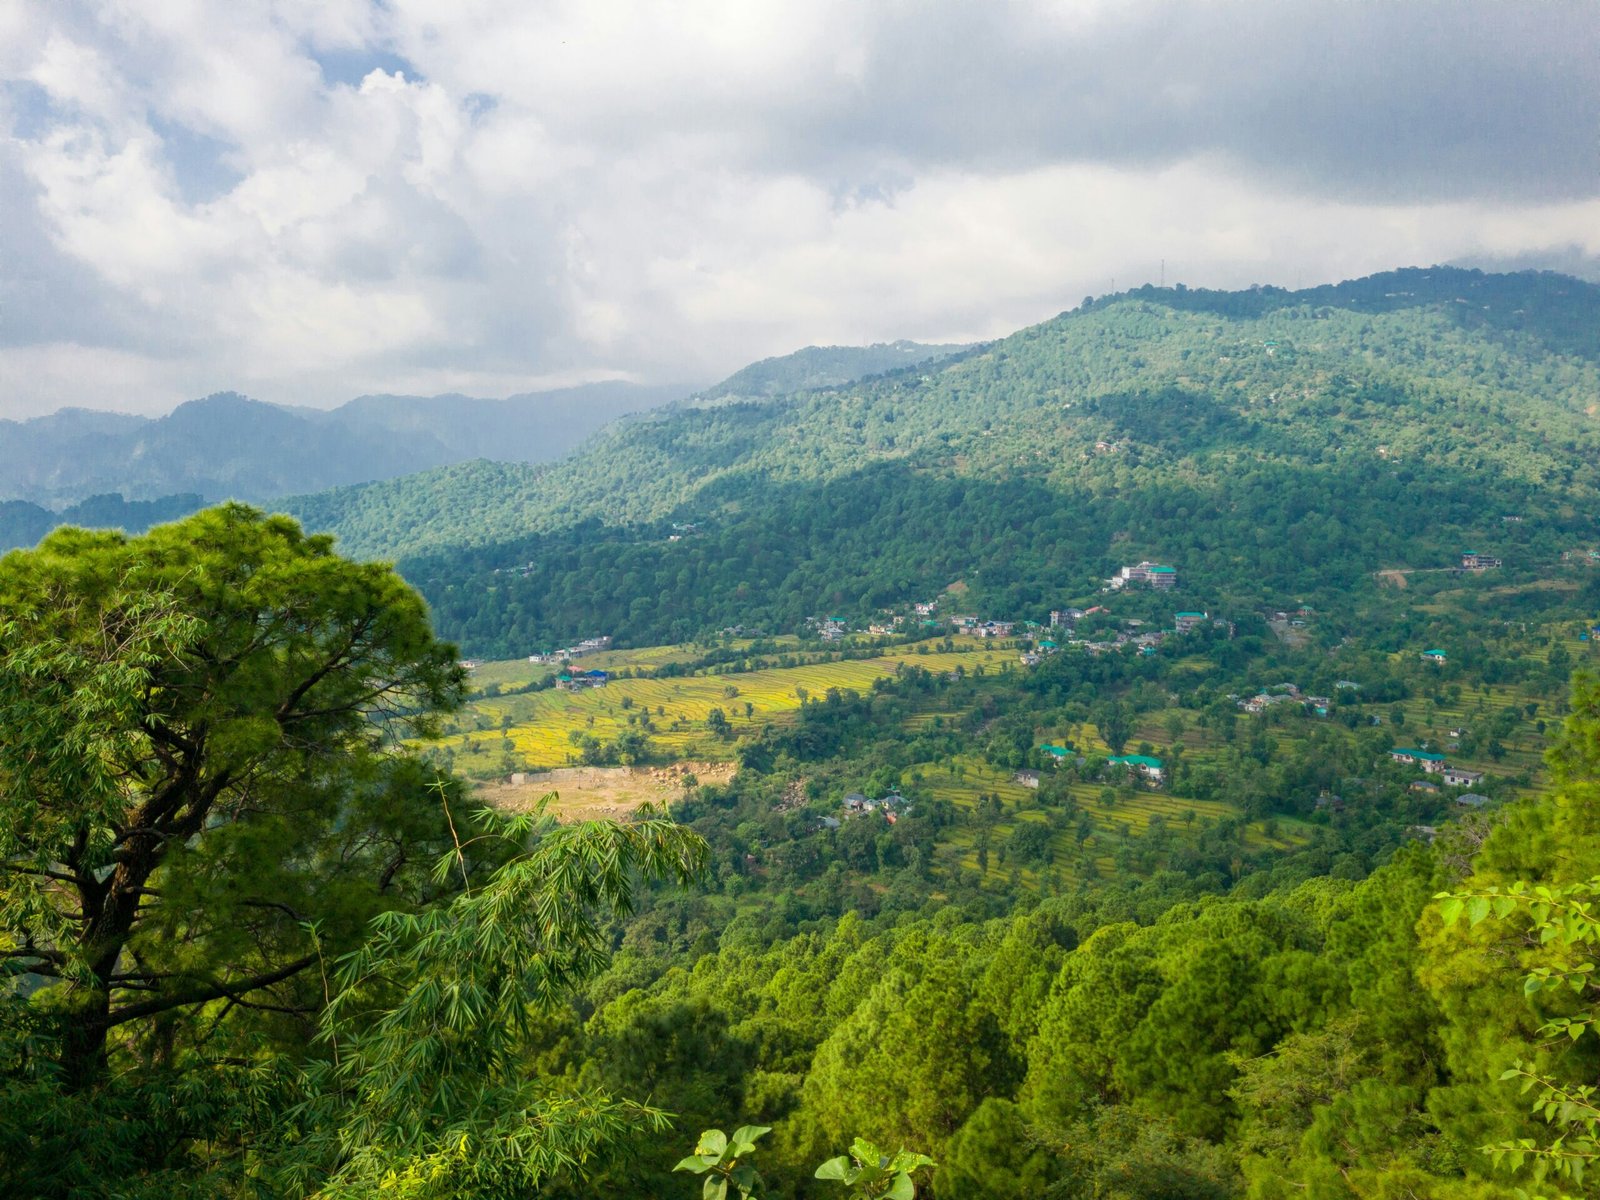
(1129, 815)
(539, 724)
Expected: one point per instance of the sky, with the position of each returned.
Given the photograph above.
(308, 200)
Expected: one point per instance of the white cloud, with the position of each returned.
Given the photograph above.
(311, 200)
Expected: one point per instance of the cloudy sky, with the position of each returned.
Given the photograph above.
(305, 200)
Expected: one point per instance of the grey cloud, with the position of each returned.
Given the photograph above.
(677, 228)
(1407, 101)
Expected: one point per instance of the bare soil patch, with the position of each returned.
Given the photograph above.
(589, 793)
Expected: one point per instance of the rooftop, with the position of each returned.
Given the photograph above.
(1136, 760)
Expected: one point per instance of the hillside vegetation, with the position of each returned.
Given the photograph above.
(1266, 443)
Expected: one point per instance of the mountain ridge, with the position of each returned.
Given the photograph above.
(1313, 373)
(227, 445)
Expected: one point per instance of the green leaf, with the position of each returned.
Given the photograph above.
(694, 1163)
(835, 1168)
(744, 1177)
(745, 1137)
(712, 1143)
(1477, 909)
(901, 1189)
(716, 1188)
(1450, 909)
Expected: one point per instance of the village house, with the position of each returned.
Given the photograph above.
(571, 681)
(1262, 701)
(1186, 621)
(1437, 657)
(1153, 574)
(1471, 800)
(1150, 768)
(1471, 560)
(1028, 779)
(1426, 759)
(1460, 776)
(1064, 616)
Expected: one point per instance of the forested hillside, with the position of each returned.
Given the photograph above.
(1279, 443)
(317, 969)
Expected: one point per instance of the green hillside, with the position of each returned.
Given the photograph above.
(1265, 442)
(1443, 367)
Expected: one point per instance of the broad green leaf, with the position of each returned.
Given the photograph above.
(745, 1137)
(835, 1168)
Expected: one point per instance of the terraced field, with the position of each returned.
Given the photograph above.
(539, 725)
(1128, 816)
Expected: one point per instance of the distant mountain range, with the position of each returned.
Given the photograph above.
(228, 445)
(85, 466)
(821, 367)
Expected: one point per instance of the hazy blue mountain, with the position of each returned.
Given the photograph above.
(23, 523)
(230, 445)
(821, 367)
(531, 427)
(78, 464)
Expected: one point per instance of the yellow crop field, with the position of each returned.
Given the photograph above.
(539, 725)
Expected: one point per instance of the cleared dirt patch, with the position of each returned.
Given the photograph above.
(587, 793)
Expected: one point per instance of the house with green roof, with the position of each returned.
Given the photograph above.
(1436, 657)
(1150, 768)
(1426, 759)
